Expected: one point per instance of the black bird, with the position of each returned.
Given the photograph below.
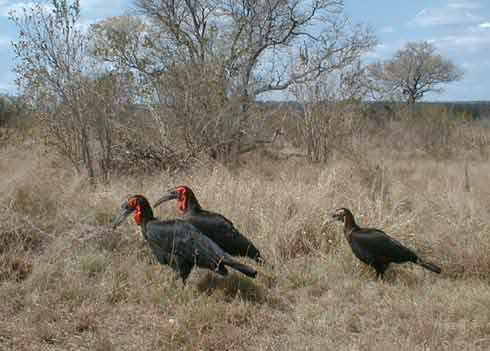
(376, 248)
(177, 243)
(213, 225)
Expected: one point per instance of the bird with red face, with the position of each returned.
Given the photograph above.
(178, 243)
(215, 226)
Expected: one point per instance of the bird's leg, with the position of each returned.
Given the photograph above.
(380, 270)
(175, 279)
(184, 274)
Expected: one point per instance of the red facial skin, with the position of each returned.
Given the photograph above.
(182, 200)
(132, 203)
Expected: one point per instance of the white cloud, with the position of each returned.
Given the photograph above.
(484, 25)
(85, 23)
(453, 13)
(463, 45)
(384, 51)
(99, 8)
(18, 7)
(475, 65)
(465, 40)
(465, 5)
(100, 4)
(90, 8)
(387, 29)
(7, 84)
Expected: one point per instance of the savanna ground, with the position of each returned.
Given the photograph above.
(70, 282)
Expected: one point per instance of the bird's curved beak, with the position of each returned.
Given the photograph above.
(125, 212)
(336, 216)
(170, 195)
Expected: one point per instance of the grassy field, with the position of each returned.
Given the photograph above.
(70, 282)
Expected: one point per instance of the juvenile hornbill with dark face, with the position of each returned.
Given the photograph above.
(376, 248)
(177, 243)
(213, 225)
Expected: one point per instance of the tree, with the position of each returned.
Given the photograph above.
(8, 110)
(328, 120)
(74, 100)
(258, 45)
(204, 61)
(413, 71)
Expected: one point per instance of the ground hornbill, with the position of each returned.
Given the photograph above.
(376, 248)
(213, 225)
(177, 243)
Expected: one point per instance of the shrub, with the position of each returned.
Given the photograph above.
(94, 263)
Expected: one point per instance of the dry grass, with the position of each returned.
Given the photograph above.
(67, 281)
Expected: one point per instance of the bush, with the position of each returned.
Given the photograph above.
(94, 263)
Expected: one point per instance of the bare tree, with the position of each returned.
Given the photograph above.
(331, 113)
(55, 72)
(205, 61)
(10, 110)
(261, 45)
(414, 71)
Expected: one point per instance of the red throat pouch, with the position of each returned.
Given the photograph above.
(137, 215)
(182, 202)
(181, 205)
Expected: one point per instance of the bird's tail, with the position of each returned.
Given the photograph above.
(221, 270)
(254, 254)
(259, 260)
(248, 271)
(430, 266)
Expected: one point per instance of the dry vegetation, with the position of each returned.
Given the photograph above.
(68, 281)
(135, 106)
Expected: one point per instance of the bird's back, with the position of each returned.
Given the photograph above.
(373, 244)
(183, 239)
(222, 231)
(167, 238)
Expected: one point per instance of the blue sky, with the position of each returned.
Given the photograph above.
(460, 29)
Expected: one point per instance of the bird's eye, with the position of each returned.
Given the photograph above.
(132, 203)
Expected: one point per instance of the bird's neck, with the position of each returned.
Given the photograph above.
(349, 223)
(143, 215)
(191, 205)
(143, 227)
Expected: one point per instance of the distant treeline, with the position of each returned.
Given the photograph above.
(474, 109)
(11, 107)
(470, 109)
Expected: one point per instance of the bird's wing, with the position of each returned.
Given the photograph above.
(205, 245)
(215, 223)
(172, 237)
(185, 240)
(380, 244)
(223, 232)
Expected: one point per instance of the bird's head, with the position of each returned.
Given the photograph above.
(183, 194)
(341, 214)
(137, 204)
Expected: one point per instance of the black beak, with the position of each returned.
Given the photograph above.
(171, 195)
(125, 212)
